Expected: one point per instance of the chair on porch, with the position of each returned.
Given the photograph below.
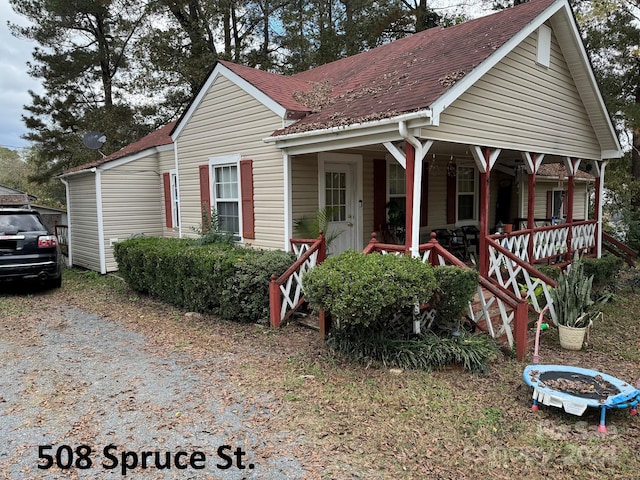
(471, 234)
(454, 241)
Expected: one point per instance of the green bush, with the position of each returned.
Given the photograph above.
(245, 296)
(603, 269)
(359, 289)
(227, 280)
(455, 289)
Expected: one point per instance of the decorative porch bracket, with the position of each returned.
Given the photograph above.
(411, 160)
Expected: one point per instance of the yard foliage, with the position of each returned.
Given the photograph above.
(359, 289)
(371, 299)
(230, 281)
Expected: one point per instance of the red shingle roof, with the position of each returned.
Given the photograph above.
(557, 170)
(157, 138)
(403, 76)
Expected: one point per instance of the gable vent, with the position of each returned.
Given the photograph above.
(544, 46)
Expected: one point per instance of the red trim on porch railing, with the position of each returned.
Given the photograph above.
(619, 249)
(275, 303)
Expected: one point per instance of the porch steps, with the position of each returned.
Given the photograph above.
(494, 313)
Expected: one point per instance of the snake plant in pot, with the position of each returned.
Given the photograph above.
(575, 309)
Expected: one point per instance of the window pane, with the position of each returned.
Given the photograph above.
(226, 182)
(336, 195)
(465, 207)
(228, 217)
(396, 180)
(466, 180)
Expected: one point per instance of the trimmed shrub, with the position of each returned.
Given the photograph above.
(603, 269)
(227, 280)
(245, 295)
(455, 289)
(359, 289)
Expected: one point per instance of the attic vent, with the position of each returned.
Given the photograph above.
(544, 46)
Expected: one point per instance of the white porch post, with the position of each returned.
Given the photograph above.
(599, 174)
(415, 151)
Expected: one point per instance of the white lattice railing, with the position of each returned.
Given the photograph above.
(583, 236)
(518, 277)
(549, 242)
(285, 292)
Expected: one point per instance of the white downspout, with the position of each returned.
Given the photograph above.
(178, 213)
(101, 250)
(288, 221)
(68, 198)
(599, 212)
(421, 150)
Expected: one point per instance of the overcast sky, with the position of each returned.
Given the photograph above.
(15, 83)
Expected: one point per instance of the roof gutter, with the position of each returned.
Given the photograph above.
(421, 114)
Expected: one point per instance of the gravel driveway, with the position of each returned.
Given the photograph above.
(80, 390)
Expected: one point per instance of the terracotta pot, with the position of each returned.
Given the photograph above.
(508, 227)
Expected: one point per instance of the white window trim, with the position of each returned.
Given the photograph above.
(474, 219)
(388, 186)
(174, 191)
(227, 160)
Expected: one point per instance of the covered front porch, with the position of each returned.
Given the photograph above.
(462, 188)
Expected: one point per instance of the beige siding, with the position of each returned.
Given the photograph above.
(524, 106)
(580, 201)
(131, 203)
(83, 221)
(230, 122)
(304, 186)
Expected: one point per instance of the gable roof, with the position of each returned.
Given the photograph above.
(411, 73)
(157, 138)
(414, 78)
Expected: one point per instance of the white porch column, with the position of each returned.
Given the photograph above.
(599, 174)
(414, 184)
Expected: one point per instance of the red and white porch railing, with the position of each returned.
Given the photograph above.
(285, 292)
(517, 276)
(500, 311)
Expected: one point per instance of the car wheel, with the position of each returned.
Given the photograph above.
(56, 282)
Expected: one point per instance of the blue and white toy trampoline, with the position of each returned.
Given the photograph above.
(575, 389)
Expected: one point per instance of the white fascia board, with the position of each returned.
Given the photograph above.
(221, 70)
(134, 157)
(609, 154)
(350, 136)
(468, 80)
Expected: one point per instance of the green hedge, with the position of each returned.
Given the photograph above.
(361, 289)
(230, 281)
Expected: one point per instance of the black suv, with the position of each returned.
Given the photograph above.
(28, 250)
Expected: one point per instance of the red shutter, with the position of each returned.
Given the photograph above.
(379, 193)
(205, 197)
(246, 192)
(451, 196)
(549, 204)
(424, 208)
(166, 179)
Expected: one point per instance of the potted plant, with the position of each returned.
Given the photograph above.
(575, 310)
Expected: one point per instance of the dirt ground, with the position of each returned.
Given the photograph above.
(84, 391)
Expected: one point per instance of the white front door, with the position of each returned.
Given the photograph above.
(339, 197)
